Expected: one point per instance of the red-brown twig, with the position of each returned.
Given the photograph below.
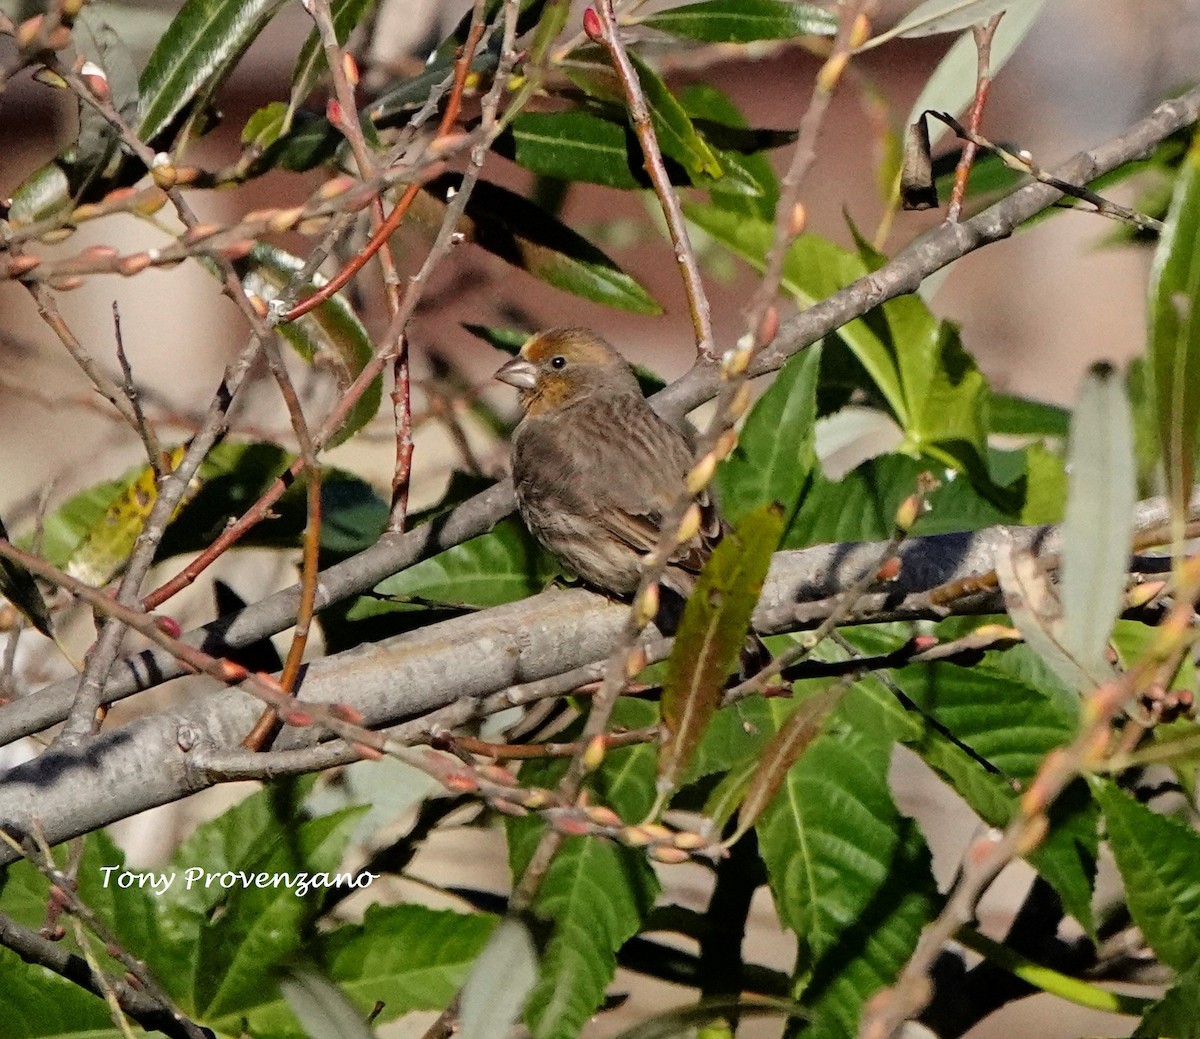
(983, 82)
(396, 216)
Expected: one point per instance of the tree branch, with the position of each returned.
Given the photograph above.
(152, 761)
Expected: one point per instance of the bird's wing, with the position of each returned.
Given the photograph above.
(640, 477)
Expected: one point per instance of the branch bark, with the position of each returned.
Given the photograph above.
(163, 757)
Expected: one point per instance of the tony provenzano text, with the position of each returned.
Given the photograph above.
(196, 877)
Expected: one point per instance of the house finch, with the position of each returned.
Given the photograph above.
(594, 466)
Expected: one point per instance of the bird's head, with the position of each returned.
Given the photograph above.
(563, 365)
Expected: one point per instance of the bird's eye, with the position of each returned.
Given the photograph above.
(558, 362)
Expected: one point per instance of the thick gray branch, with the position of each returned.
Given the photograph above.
(161, 758)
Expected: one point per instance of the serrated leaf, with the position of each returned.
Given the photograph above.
(1157, 858)
(775, 452)
(1011, 711)
(523, 234)
(499, 983)
(18, 586)
(917, 364)
(782, 751)
(204, 42)
(245, 834)
(850, 877)
(1098, 530)
(408, 957)
(712, 634)
(595, 894)
(259, 928)
(41, 1005)
(330, 335)
(743, 21)
(1174, 338)
(310, 62)
(952, 85)
(1177, 1013)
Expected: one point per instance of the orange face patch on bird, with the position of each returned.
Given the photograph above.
(595, 468)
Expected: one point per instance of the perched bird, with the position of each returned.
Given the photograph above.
(594, 466)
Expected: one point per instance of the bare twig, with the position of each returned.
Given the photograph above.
(983, 81)
(1023, 163)
(149, 439)
(601, 23)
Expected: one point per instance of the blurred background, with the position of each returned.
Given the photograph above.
(1036, 311)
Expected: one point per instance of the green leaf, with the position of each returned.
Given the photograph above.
(744, 21)
(263, 128)
(574, 146)
(917, 363)
(408, 957)
(862, 505)
(774, 457)
(1174, 336)
(44, 195)
(677, 136)
(849, 875)
(18, 586)
(1177, 1014)
(712, 634)
(41, 1005)
(1011, 711)
(595, 894)
(1019, 416)
(1099, 526)
(503, 565)
(499, 983)
(204, 42)
(247, 832)
(310, 63)
(521, 233)
(331, 335)
(235, 475)
(724, 126)
(258, 928)
(1157, 858)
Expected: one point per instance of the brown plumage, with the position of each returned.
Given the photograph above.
(594, 466)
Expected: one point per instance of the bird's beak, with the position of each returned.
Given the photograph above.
(518, 372)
